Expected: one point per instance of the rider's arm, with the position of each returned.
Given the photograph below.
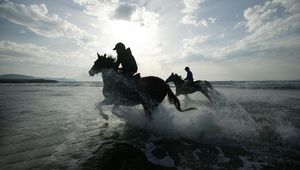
(116, 66)
(187, 75)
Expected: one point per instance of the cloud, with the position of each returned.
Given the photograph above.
(273, 31)
(124, 11)
(258, 15)
(189, 19)
(145, 17)
(190, 15)
(37, 19)
(115, 10)
(238, 25)
(191, 6)
(192, 47)
(212, 20)
(11, 51)
(270, 28)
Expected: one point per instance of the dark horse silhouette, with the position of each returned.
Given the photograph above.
(119, 90)
(203, 86)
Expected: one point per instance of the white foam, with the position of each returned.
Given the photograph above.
(207, 122)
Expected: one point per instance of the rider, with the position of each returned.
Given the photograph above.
(126, 59)
(189, 77)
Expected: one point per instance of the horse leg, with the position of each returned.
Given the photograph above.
(148, 108)
(186, 100)
(114, 111)
(177, 91)
(147, 111)
(99, 107)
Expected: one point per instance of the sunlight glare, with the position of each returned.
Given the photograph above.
(140, 38)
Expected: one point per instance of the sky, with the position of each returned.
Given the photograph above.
(218, 40)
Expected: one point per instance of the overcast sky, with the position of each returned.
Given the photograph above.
(218, 40)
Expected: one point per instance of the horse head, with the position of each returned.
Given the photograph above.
(170, 78)
(102, 62)
(174, 78)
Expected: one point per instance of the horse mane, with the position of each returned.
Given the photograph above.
(107, 60)
(110, 59)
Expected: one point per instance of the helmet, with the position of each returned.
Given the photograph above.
(119, 46)
(187, 68)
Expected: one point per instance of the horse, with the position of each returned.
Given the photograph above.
(181, 88)
(120, 90)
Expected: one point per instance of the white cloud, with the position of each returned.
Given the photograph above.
(37, 19)
(191, 6)
(190, 14)
(11, 51)
(189, 19)
(145, 17)
(271, 32)
(269, 28)
(204, 22)
(192, 46)
(212, 20)
(258, 15)
(115, 10)
(238, 25)
(292, 6)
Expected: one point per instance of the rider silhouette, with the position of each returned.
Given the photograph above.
(126, 59)
(189, 77)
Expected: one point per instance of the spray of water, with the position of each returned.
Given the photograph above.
(224, 119)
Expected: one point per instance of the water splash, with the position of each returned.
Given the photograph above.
(210, 121)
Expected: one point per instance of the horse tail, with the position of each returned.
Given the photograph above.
(174, 100)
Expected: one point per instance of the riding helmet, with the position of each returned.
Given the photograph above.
(119, 46)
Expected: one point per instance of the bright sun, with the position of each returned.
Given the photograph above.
(141, 38)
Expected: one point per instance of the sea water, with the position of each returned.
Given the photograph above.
(58, 126)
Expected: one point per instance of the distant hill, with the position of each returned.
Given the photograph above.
(15, 76)
(19, 78)
(59, 79)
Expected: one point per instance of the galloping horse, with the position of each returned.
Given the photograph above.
(203, 86)
(120, 90)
